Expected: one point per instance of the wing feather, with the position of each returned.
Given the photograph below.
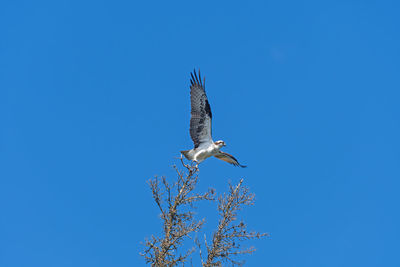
(228, 158)
(201, 116)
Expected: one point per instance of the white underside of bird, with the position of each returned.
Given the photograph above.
(203, 152)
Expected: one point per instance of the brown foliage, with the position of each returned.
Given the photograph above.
(176, 203)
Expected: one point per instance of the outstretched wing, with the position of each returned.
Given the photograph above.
(228, 158)
(200, 121)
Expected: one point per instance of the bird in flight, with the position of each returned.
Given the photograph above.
(200, 126)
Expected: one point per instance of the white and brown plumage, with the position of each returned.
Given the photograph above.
(200, 126)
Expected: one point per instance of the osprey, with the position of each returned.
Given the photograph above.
(200, 126)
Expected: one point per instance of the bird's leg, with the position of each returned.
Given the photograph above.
(195, 164)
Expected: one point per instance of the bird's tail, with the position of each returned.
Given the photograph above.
(187, 154)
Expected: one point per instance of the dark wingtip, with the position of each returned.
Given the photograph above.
(195, 79)
(192, 80)
(239, 165)
(200, 78)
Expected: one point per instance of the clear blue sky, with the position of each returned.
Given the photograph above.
(94, 101)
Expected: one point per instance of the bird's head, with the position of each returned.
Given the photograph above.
(220, 143)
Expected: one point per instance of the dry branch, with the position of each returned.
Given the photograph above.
(226, 240)
(176, 204)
